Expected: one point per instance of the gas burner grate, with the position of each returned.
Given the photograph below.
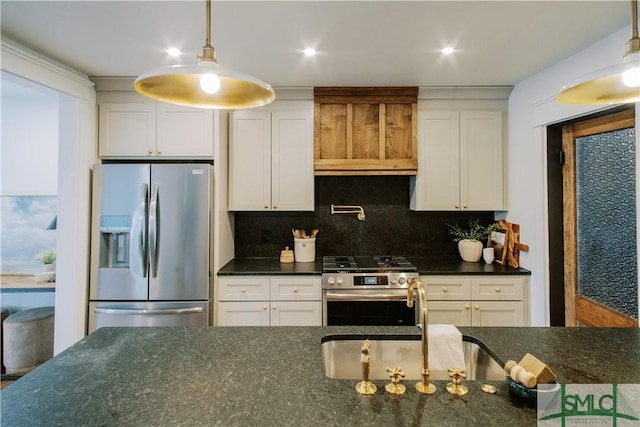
(339, 264)
(379, 263)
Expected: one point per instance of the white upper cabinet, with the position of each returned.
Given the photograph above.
(481, 161)
(271, 159)
(154, 130)
(461, 154)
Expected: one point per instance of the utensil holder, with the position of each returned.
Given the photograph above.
(305, 249)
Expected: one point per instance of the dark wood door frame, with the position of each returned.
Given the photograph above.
(578, 309)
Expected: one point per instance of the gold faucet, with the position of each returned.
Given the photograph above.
(423, 386)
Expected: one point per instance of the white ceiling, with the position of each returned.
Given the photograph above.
(359, 43)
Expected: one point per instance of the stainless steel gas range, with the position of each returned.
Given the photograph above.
(367, 290)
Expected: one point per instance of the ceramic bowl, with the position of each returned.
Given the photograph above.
(527, 396)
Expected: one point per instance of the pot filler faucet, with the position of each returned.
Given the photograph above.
(423, 386)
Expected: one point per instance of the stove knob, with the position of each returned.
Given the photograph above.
(402, 280)
(331, 280)
(339, 280)
(393, 280)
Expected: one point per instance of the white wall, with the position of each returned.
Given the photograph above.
(532, 106)
(77, 153)
(29, 146)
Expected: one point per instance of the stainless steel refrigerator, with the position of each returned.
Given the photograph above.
(150, 236)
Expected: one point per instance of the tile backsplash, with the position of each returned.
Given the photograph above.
(390, 226)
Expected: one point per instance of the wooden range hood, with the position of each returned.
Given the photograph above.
(366, 130)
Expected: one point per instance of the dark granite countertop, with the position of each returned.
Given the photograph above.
(273, 266)
(271, 376)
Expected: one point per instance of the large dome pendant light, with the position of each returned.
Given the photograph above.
(206, 85)
(617, 84)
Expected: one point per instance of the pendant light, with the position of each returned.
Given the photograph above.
(617, 84)
(205, 85)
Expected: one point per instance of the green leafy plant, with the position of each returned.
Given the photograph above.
(474, 231)
(46, 257)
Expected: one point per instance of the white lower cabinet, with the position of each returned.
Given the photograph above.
(478, 300)
(269, 301)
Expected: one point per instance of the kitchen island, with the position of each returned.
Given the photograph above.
(272, 376)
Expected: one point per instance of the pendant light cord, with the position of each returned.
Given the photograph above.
(208, 51)
(208, 39)
(633, 45)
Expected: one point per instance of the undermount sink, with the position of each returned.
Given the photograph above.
(341, 358)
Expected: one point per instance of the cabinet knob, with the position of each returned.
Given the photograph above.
(274, 307)
(264, 307)
(295, 289)
(466, 307)
(445, 290)
(243, 290)
(464, 206)
(498, 290)
(456, 206)
(160, 152)
(476, 307)
(266, 206)
(275, 206)
(150, 151)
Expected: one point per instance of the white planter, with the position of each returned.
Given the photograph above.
(470, 250)
(49, 267)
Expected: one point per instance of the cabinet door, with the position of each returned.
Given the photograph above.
(243, 289)
(292, 161)
(437, 184)
(253, 313)
(481, 161)
(456, 313)
(288, 313)
(126, 130)
(296, 289)
(184, 131)
(498, 313)
(250, 161)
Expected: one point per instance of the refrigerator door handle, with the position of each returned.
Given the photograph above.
(153, 231)
(146, 311)
(138, 241)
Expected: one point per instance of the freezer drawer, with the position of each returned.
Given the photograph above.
(179, 313)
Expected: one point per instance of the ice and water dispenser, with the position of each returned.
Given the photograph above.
(115, 231)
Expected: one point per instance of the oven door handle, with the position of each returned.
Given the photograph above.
(337, 296)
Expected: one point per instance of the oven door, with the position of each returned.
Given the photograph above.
(367, 307)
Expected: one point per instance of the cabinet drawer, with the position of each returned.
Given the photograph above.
(296, 289)
(446, 288)
(243, 289)
(252, 313)
(497, 289)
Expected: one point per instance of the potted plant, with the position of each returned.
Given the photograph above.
(470, 239)
(47, 258)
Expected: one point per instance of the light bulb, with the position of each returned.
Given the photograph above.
(210, 83)
(631, 77)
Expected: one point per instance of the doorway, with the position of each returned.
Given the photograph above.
(592, 220)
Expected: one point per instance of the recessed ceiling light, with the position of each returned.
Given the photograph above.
(448, 50)
(309, 51)
(174, 51)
